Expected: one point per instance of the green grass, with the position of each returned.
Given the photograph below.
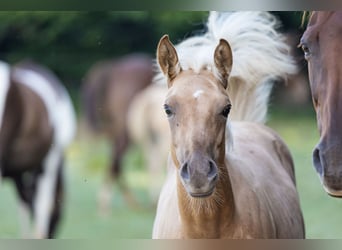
(88, 157)
(322, 215)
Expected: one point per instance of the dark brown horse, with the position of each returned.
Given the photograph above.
(322, 47)
(108, 90)
(37, 122)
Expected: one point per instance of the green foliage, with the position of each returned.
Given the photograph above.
(70, 42)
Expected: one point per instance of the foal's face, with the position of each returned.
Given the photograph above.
(197, 107)
(322, 46)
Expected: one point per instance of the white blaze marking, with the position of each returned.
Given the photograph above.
(197, 93)
(4, 87)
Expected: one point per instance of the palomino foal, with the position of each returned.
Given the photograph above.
(215, 189)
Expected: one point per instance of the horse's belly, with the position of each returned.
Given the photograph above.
(28, 152)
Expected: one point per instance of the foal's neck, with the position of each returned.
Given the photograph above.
(207, 217)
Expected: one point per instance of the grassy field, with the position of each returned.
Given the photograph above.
(321, 212)
(85, 170)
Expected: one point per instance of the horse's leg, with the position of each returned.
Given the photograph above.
(45, 194)
(58, 202)
(23, 209)
(25, 185)
(25, 219)
(104, 197)
(122, 144)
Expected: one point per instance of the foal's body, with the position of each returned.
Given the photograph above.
(254, 207)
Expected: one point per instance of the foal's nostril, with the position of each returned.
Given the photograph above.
(184, 173)
(317, 161)
(212, 170)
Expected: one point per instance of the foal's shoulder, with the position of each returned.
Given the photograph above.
(261, 135)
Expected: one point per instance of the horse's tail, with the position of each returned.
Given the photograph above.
(260, 58)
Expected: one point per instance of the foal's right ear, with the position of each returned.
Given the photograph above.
(223, 59)
(168, 59)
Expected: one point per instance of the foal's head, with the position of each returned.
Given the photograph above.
(197, 107)
(322, 46)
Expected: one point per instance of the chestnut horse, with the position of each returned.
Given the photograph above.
(108, 90)
(37, 122)
(229, 176)
(322, 47)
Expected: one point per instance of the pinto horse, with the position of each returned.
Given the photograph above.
(229, 176)
(108, 90)
(37, 122)
(322, 47)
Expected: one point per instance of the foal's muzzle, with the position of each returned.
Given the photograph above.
(199, 177)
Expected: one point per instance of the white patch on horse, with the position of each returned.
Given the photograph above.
(197, 93)
(44, 200)
(4, 87)
(60, 109)
(62, 117)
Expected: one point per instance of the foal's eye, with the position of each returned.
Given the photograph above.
(168, 110)
(226, 110)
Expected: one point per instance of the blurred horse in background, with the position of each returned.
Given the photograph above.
(148, 127)
(107, 92)
(322, 47)
(37, 123)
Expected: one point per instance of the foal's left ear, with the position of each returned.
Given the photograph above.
(223, 59)
(168, 59)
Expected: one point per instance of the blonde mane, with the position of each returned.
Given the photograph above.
(260, 57)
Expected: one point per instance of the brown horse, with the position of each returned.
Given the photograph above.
(322, 47)
(37, 122)
(108, 90)
(226, 179)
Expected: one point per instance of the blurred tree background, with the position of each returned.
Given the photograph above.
(70, 42)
